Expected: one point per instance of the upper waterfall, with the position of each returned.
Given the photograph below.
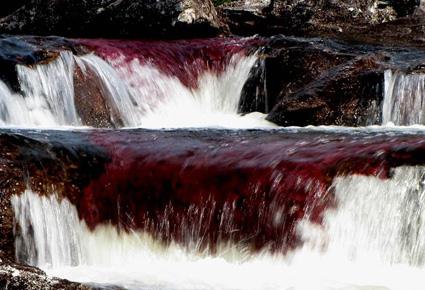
(148, 87)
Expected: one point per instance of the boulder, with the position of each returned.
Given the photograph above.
(286, 65)
(346, 95)
(302, 82)
(110, 18)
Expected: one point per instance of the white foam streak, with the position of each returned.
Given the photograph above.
(404, 102)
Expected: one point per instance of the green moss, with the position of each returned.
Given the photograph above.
(219, 2)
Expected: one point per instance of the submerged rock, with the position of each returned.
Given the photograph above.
(97, 18)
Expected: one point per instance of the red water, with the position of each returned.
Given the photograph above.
(248, 187)
(183, 59)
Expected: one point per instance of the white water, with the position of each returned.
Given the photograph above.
(404, 99)
(141, 94)
(373, 240)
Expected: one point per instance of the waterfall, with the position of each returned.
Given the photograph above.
(379, 220)
(146, 97)
(404, 102)
(132, 93)
(47, 99)
(377, 224)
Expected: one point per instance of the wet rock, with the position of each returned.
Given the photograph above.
(90, 100)
(404, 32)
(304, 82)
(313, 81)
(97, 18)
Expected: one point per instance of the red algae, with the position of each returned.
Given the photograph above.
(183, 59)
(251, 188)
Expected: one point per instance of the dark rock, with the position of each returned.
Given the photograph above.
(141, 18)
(312, 81)
(288, 64)
(347, 95)
(304, 82)
(404, 32)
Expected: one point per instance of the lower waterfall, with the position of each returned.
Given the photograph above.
(371, 240)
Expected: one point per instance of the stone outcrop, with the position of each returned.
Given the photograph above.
(111, 18)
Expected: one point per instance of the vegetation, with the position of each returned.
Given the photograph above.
(219, 2)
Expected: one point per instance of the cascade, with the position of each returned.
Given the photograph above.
(177, 201)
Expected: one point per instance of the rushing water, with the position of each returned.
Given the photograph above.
(369, 236)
